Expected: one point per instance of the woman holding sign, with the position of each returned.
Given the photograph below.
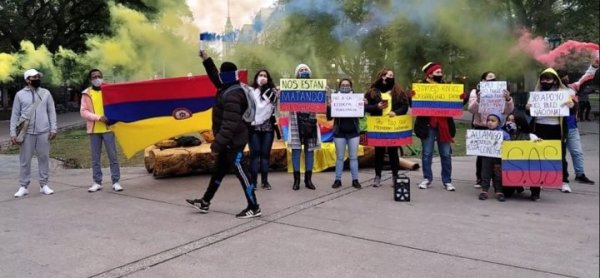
(432, 129)
(385, 98)
(263, 127)
(496, 98)
(554, 126)
(346, 132)
(303, 131)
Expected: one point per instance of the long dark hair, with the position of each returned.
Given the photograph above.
(397, 91)
(485, 74)
(269, 84)
(521, 122)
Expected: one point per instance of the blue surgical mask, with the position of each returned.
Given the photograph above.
(345, 90)
(304, 74)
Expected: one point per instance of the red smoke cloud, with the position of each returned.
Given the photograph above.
(539, 49)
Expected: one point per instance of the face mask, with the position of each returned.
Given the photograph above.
(546, 86)
(228, 77)
(345, 90)
(511, 126)
(97, 82)
(437, 78)
(36, 83)
(304, 75)
(490, 80)
(261, 80)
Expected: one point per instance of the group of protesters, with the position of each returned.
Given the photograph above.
(384, 97)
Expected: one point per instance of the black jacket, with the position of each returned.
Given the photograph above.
(228, 126)
(398, 106)
(421, 127)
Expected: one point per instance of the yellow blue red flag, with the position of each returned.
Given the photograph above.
(146, 112)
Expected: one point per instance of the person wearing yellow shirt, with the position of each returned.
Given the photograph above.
(92, 110)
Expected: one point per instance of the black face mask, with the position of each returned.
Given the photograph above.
(438, 78)
(546, 86)
(388, 86)
(36, 83)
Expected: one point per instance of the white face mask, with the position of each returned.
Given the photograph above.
(97, 82)
(261, 80)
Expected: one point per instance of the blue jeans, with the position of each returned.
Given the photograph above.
(445, 150)
(260, 146)
(574, 147)
(340, 150)
(308, 159)
(96, 140)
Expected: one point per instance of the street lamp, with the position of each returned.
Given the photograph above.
(333, 73)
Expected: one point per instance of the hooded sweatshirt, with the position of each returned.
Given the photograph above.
(42, 120)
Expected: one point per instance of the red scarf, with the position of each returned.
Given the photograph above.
(443, 129)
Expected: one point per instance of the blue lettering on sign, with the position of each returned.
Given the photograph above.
(302, 97)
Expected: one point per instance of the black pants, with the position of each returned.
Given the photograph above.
(554, 132)
(585, 108)
(478, 160)
(226, 160)
(393, 156)
(491, 171)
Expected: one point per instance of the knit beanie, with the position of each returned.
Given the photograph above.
(499, 117)
(297, 71)
(228, 66)
(430, 67)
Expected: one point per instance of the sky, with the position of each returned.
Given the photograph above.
(211, 15)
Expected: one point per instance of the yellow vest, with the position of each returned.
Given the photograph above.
(99, 127)
(387, 97)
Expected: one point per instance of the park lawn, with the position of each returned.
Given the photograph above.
(72, 147)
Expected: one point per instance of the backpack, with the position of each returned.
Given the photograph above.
(250, 112)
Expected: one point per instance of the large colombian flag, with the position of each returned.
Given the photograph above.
(143, 113)
(526, 163)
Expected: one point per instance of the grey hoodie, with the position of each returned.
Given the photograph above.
(43, 119)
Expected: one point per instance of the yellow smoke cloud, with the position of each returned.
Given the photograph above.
(7, 63)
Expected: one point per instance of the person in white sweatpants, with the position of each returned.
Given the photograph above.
(41, 129)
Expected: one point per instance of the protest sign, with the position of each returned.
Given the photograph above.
(491, 97)
(437, 100)
(484, 142)
(303, 95)
(385, 131)
(549, 103)
(347, 105)
(527, 163)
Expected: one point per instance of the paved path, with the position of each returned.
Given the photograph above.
(148, 230)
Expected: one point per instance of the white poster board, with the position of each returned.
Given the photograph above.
(484, 142)
(347, 105)
(549, 103)
(491, 98)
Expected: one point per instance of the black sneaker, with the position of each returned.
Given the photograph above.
(266, 185)
(483, 196)
(356, 184)
(199, 204)
(500, 197)
(249, 213)
(336, 184)
(584, 179)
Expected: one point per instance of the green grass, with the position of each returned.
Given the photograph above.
(73, 149)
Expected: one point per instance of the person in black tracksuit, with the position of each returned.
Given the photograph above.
(231, 136)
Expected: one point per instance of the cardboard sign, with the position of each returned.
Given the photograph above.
(384, 131)
(527, 163)
(437, 100)
(491, 98)
(549, 103)
(484, 142)
(347, 106)
(303, 95)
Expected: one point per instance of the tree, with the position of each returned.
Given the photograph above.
(65, 23)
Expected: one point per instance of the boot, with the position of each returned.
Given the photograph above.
(307, 180)
(296, 185)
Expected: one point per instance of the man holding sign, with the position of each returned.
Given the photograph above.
(431, 129)
(547, 104)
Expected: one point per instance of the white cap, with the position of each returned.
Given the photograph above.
(31, 72)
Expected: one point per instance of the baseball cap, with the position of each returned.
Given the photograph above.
(31, 72)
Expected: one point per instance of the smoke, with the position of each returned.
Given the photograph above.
(7, 66)
(539, 49)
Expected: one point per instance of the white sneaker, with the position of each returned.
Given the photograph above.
(95, 187)
(46, 190)
(477, 185)
(424, 184)
(22, 192)
(565, 188)
(117, 187)
(449, 187)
